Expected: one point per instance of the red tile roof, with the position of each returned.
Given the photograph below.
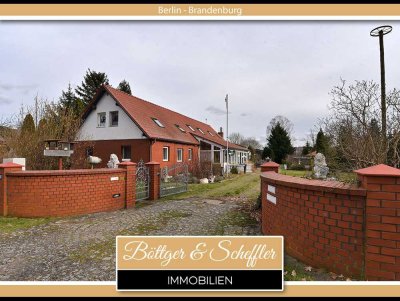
(143, 112)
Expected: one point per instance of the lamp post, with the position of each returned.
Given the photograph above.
(380, 32)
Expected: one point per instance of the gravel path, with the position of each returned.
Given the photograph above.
(82, 248)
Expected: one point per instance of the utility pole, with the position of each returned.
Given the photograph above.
(227, 133)
(380, 32)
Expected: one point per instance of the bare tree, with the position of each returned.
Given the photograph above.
(251, 142)
(354, 126)
(236, 138)
(284, 122)
(54, 123)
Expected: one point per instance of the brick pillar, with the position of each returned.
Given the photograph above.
(270, 166)
(154, 170)
(4, 169)
(130, 183)
(382, 222)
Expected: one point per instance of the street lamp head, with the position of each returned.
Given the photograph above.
(385, 29)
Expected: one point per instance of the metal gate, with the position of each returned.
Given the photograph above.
(174, 179)
(142, 181)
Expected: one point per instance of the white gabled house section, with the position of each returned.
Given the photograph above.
(126, 129)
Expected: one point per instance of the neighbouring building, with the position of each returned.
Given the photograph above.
(135, 129)
(299, 159)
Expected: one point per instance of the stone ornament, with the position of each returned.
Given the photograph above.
(113, 163)
(320, 167)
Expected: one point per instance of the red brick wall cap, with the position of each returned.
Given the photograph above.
(152, 163)
(127, 163)
(270, 164)
(317, 185)
(10, 165)
(66, 172)
(379, 170)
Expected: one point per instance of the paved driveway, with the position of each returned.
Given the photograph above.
(82, 248)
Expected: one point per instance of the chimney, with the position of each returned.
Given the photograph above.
(221, 133)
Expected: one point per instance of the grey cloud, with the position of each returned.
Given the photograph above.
(21, 88)
(5, 100)
(244, 115)
(215, 110)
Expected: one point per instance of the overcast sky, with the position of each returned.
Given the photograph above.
(268, 68)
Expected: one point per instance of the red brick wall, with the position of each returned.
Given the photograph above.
(382, 227)
(62, 193)
(157, 154)
(140, 150)
(321, 221)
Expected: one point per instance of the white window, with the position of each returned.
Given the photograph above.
(165, 153)
(190, 154)
(158, 122)
(190, 127)
(114, 118)
(211, 133)
(179, 155)
(201, 131)
(179, 127)
(101, 120)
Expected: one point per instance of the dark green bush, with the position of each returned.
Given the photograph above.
(297, 167)
(234, 170)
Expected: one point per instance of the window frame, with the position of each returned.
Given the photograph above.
(122, 153)
(98, 119)
(201, 131)
(191, 128)
(163, 158)
(158, 122)
(179, 150)
(180, 128)
(111, 121)
(190, 154)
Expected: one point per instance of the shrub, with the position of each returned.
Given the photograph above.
(193, 180)
(218, 179)
(297, 167)
(234, 170)
(258, 202)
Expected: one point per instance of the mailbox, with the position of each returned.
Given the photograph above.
(58, 148)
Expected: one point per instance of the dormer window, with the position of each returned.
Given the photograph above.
(211, 133)
(201, 131)
(190, 127)
(158, 122)
(181, 129)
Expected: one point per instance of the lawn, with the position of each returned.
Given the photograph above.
(348, 177)
(11, 224)
(247, 185)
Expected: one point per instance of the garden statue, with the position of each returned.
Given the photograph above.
(320, 168)
(113, 163)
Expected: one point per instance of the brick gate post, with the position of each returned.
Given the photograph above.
(154, 171)
(130, 183)
(4, 169)
(270, 166)
(382, 225)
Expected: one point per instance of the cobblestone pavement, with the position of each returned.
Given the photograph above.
(82, 248)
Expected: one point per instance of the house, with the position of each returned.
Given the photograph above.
(135, 129)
